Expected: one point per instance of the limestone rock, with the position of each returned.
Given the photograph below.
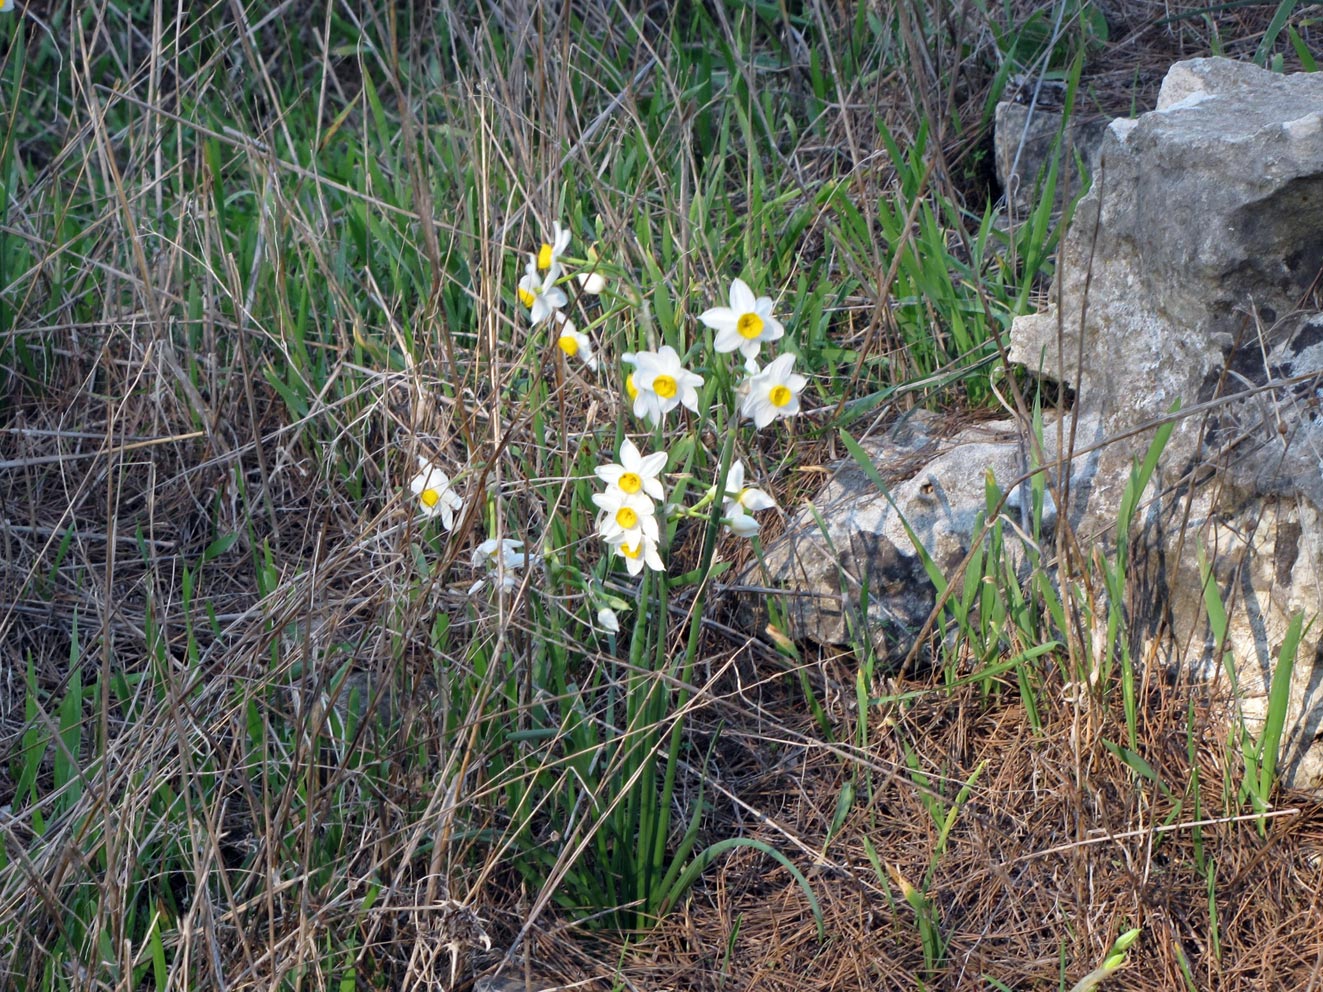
(1023, 139)
(1180, 281)
(1208, 215)
(847, 561)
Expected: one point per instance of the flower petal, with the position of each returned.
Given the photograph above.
(741, 298)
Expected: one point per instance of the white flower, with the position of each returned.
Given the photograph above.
(435, 497)
(634, 473)
(626, 517)
(591, 283)
(660, 383)
(773, 392)
(548, 256)
(640, 553)
(503, 553)
(540, 293)
(740, 523)
(608, 621)
(746, 497)
(573, 342)
(502, 558)
(740, 500)
(745, 324)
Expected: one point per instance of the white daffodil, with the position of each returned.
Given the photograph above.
(634, 473)
(745, 324)
(548, 256)
(591, 283)
(740, 523)
(573, 342)
(631, 390)
(502, 553)
(608, 621)
(435, 497)
(748, 497)
(660, 383)
(501, 558)
(745, 497)
(773, 392)
(626, 517)
(640, 553)
(539, 292)
(740, 500)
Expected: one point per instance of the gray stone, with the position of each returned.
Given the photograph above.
(1179, 283)
(1208, 216)
(1023, 140)
(847, 561)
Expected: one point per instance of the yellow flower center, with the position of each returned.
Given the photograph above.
(750, 325)
(630, 483)
(630, 389)
(430, 498)
(627, 518)
(634, 552)
(526, 298)
(568, 344)
(780, 395)
(544, 256)
(664, 386)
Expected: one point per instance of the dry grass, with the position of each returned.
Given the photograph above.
(1056, 850)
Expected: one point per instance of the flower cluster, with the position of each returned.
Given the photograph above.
(744, 326)
(540, 292)
(658, 384)
(627, 515)
(632, 507)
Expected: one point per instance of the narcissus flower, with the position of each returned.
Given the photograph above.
(539, 292)
(661, 383)
(548, 256)
(626, 517)
(435, 497)
(741, 500)
(503, 553)
(608, 621)
(502, 559)
(640, 553)
(591, 283)
(634, 473)
(745, 324)
(740, 523)
(773, 392)
(745, 497)
(573, 342)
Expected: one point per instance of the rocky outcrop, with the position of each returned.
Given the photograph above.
(1186, 281)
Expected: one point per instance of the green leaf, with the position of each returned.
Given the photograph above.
(1279, 701)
